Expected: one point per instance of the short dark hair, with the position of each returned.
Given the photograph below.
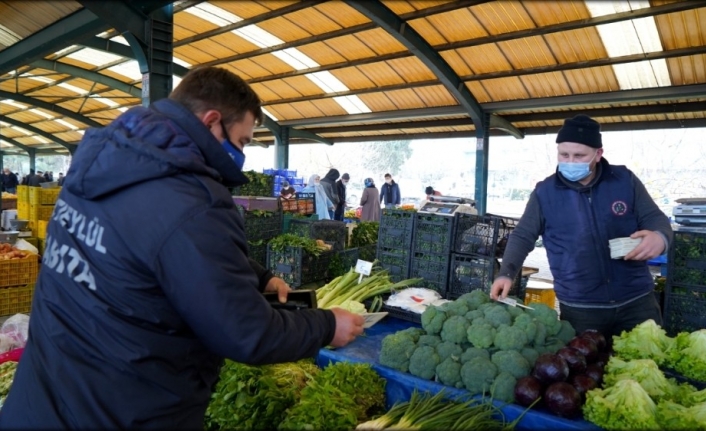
(388, 176)
(216, 88)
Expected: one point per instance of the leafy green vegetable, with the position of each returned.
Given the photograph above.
(624, 406)
(645, 372)
(645, 341)
(672, 416)
(689, 354)
(365, 233)
(281, 242)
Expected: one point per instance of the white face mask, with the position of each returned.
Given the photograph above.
(389, 181)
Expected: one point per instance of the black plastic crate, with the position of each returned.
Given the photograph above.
(301, 227)
(261, 225)
(433, 269)
(258, 252)
(368, 252)
(297, 267)
(484, 235)
(395, 237)
(684, 309)
(397, 219)
(396, 312)
(468, 273)
(686, 263)
(331, 231)
(341, 262)
(395, 261)
(433, 234)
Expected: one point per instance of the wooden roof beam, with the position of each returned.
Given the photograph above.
(37, 131)
(49, 107)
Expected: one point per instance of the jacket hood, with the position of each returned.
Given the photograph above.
(332, 175)
(145, 144)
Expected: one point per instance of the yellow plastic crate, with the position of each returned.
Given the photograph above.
(42, 196)
(40, 212)
(41, 228)
(545, 296)
(15, 300)
(23, 194)
(22, 210)
(19, 272)
(41, 244)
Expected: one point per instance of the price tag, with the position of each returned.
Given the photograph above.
(373, 318)
(363, 267)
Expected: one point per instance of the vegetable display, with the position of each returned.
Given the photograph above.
(476, 344)
(258, 185)
(281, 242)
(365, 233)
(7, 374)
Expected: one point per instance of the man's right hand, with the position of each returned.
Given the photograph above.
(500, 289)
(348, 326)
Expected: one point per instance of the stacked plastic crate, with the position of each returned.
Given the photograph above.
(431, 250)
(281, 175)
(394, 247)
(478, 243)
(263, 221)
(685, 294)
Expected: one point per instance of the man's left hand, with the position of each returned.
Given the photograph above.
(652, 245)
(278, 285)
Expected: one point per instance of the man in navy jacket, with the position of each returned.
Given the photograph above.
(577, 210)
(390, 192)
(145, 284)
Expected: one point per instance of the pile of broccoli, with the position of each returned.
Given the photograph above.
(477, 344)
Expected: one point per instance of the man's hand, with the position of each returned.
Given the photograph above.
(278, 285)
(348, 326)
(500, 288)
(652, 245)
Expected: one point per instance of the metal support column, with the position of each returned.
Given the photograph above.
(157, 66)
(32, 159)
(282, 148)
(482, 140)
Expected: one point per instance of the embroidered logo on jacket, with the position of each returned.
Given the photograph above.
(619, 208)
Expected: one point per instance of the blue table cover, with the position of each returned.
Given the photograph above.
(400, 386)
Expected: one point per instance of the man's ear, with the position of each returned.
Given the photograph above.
(210, 118)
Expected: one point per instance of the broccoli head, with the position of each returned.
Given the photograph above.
(429, 340)
(473, 314)
(541, 335)
(446, 349)
(515, 311)
(530, 354)
(423, 362)
(511, 361)
(503, 388)
(497, 315)
(547, 315)
(528, 324)
(413, 332)
(480, 334)
(396, 350)
(474, 352)
(433, 320)
(454, 308)
(449, 372)
(454, 329)
(567, 332)
(510, 338)
(478, 375)
(552, 345)
(474, 299)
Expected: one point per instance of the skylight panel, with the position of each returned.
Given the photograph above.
(646, 74)
(41, 139)
(175, 81)
(122, 109)
(21, 130)
(41, 113)
(181, 62)
(105, 101)
(213, 14)
(81, 132)
(327, 82)
(66, 124)
(61, 52)
(8, 37)
(120, 39)
(258, 36)
(43, 79)
(73, 88)
(352, 104)
(128, 69)
(13, 103)
(269, 114)
(94, 57)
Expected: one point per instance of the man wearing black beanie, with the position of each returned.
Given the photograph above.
(577, 210)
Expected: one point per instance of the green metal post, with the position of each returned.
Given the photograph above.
(482, 140)
(282, 148)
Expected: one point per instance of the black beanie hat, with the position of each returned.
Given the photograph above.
(581, 129)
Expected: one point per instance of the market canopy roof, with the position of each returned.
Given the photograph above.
(341, 71)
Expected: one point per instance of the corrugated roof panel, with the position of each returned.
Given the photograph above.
(381, 74)
(50, 127)
(378, 102)
(592, 80)
(484, 58)
(435, 95)
(263, 91)
(350, 47)
(116, 75)
(687, 70)
(405, 99)
(260, 66)
(74, 62)
(303, 85)
(682, 29)
(193, 55)
(53, 91)
(282, 89)
(353, 78)
(546, 85)
(71, 137)
(294, 111)
(21, 85)
(505, 89)
(234, 43)
(75, 104)
(192, 22)
(213, 48)
(411, 69)
(576, 45)
(341, 13)
(527, 52)
(428, 31)
(478, 91)
(453, 26)
(23, 116)
(287, 28)
(503, 17)
(458, 64)
(321, 53)
(181, 32)
(249, 9)
(380, 41)
(548, 12)
(26, 18)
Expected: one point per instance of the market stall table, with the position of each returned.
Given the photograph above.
(400, 386)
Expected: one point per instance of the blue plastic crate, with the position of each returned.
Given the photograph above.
(288, 172)
(269, 171)
(279, 179)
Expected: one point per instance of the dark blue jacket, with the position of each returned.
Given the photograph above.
(390, 193)
(145, 285)
(577, 227)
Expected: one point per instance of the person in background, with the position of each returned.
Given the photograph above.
(341, 189)
(35, 180)
(431, 192)
(129, 334)
(9, 181)
(323, 203)
(287, 191)
(577, 210)
(25, 179)
(370, 201)
(390, 192)
(328, 182)
(61, 179)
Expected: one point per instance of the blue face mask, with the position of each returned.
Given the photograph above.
(233, 151)
(576, 171)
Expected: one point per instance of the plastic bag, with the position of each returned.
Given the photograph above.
(24, 245)
(7, 343)
(17, 328)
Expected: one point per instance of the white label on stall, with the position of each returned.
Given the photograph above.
(373, 318)
(363, 267)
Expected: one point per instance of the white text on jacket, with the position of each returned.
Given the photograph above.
(90, 233)
(64, 258)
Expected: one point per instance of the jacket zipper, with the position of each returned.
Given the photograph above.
(596, 246)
